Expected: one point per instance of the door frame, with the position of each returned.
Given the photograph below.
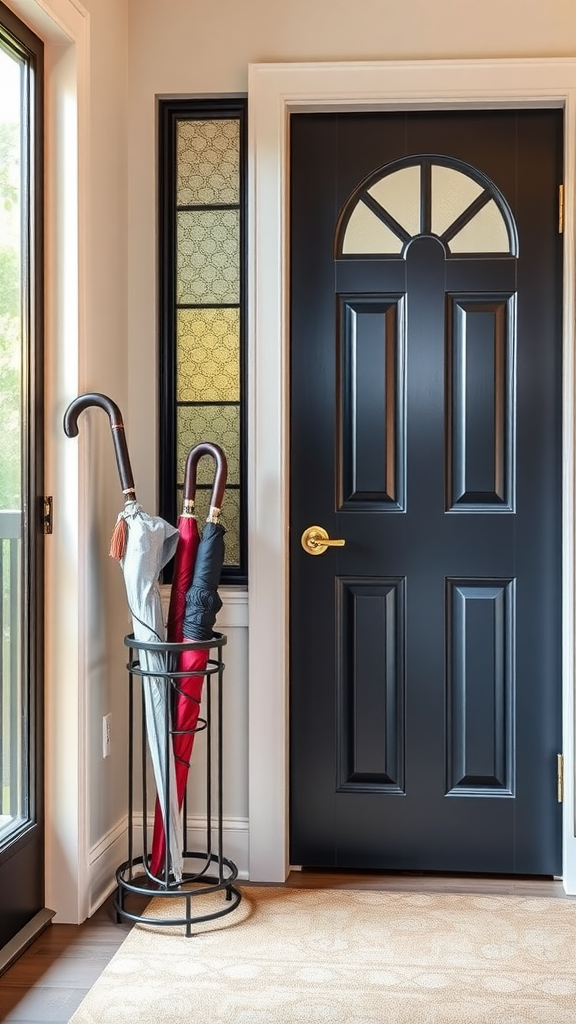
(274, 91)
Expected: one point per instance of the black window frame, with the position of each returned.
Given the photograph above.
(170, 112)
(22, 868)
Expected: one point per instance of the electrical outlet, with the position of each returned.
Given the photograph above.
(106, 735)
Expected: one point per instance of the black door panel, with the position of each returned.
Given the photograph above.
(426, 432)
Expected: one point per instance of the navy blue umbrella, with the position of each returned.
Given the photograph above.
(203, 601)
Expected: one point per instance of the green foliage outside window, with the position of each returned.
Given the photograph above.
(10, 317)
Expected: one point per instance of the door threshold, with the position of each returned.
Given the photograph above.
(433, 881)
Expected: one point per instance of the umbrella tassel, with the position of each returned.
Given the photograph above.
(118, 540)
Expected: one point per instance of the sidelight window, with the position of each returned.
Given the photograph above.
(202, 282)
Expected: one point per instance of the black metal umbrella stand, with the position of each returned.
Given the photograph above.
(206, 890)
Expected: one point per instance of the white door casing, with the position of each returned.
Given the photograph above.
(274, 91)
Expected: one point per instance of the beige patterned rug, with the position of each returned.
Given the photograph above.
(304, 956)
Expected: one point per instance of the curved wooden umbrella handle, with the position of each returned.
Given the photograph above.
(118, 434)
(220, 476)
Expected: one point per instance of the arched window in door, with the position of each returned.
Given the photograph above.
(424, 195)
(462, 220)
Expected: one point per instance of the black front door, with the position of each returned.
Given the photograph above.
(426, 434)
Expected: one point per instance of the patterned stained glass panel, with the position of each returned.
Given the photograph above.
(204, 294)
(208, 257)
(230, 519)
(207, 162)
(216, 423)
(208, 355)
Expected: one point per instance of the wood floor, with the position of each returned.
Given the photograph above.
(52, 977)
(54, 974)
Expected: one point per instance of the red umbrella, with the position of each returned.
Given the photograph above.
(188, 688)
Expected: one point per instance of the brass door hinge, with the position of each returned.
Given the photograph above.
(560, 777)
(47, 516)
(560, 209)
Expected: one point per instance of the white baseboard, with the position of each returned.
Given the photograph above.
(105, 857)
(112, 850)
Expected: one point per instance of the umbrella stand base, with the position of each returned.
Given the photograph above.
(206, 889)
(197, 898)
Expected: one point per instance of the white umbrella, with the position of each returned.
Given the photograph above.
(150, 544)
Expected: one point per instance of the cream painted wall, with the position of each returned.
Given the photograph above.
(207, 46)
(104, 367)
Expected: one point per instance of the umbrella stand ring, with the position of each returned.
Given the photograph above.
(217, 641)
(136, 668)
(207, 883)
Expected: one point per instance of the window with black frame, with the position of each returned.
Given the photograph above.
(202, 307)
(22, 912)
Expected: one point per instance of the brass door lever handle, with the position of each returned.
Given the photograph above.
(315, 541)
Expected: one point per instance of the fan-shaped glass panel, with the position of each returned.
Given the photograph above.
(452, 193)
(451, 196)
(367, 234)
(399, 194)
(485, 232)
